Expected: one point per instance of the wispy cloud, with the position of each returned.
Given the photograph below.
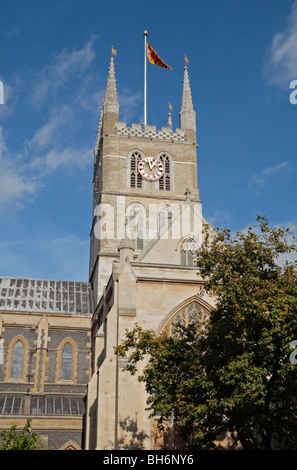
(263, 177)
(64, 103)
(129, 105)
(51, 144)
(62, 68)
(12, 89)
(220, 219)
(281, 67)
(60, 139)
(16, 183)
(56, 157)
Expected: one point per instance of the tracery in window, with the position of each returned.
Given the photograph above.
(188, 252)
(135, 177)
(165, 182)
(136, 224)
(192, 313)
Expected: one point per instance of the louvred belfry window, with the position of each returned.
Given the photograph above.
(135, 177)
(165, 182)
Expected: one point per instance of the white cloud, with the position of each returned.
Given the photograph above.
(129, 104)
(61, 137)
(45, 135)
(56, 141)
(68, 156)
(260, 179)
(64, 65)
(15, 182)
(282, 62)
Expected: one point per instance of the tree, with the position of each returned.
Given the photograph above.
(25, 440)
(236, 374)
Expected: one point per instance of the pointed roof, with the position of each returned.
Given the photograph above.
(111, 89)
(187, 113)
(187, 103)
(169, 122)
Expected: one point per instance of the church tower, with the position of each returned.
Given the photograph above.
(147, 224)
(130, 198)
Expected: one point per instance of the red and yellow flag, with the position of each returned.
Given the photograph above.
(155, 59)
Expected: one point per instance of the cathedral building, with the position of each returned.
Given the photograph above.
(57, 338)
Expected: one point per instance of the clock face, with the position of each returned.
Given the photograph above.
(151, 168)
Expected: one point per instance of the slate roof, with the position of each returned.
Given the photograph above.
(42, 295)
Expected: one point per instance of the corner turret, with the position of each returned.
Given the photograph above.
(187, 114)
(111, 105)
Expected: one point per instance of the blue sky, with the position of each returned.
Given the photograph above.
(54, 65)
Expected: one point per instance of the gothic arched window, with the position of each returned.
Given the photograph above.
(135, 177)
(67, 361)
(165, 214)
(66, 366)
(165, 182)
(188, 252)
(194, 312)
(17, 361)
(136, 217)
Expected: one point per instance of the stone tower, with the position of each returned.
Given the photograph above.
(147, 224)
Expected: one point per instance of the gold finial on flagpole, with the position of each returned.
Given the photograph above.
(113, 51)
(186, 60)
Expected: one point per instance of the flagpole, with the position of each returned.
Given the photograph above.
(145, 63)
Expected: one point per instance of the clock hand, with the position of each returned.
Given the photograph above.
(151, 163)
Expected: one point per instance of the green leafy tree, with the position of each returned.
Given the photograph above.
(24, 440)
(236, 373)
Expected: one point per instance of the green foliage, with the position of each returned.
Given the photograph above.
(238, 376)
(24, 440)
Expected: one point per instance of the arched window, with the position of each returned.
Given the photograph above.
(135, 177)
(67, 356)
(17, 361)
(165, 214)
(195, 311)
(66, 366)
(165, 182)
(136, 224)
(188, 252)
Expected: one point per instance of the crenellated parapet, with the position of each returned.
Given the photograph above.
(150, 132)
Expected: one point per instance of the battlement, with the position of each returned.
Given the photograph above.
(150, 132)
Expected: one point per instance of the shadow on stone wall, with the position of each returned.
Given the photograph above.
(133, 439)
